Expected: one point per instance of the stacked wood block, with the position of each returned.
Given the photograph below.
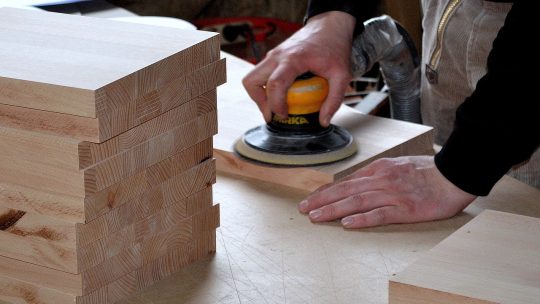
(106, 165)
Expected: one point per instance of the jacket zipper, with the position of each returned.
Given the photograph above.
(431, 67)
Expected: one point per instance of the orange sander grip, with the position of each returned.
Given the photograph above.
(304, 101)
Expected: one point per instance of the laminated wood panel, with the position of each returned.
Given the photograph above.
(120, 119)
(80, 210)
(92, 153)
(143, 265)
(96, 239)
(495, 258)
(110, 64)
(113, 244)
(123, 192)
(47, 162)
(160, 268)
(57, 244)
(376, 137)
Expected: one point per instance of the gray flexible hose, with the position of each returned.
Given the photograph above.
(386, 42)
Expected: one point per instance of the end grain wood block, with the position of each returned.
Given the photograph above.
(109, 245)
(162, 267)
(25, 282)
(115, 69)
(495, 258)
(51, 163)
(50, 242)
(149, 243)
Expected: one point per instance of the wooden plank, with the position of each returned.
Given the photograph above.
(50, 242)
(39, 148)
(121, 118)
(139, 57)
(23, 164)
(39, 276)
(15, 291)
(158, 253)
(167, 264)
(123, 192)
(38, 239)
(92, 153)
(114, 237)
(61, 206)
(36, 227)
(128, 163)
(492, 259)
(376, 137)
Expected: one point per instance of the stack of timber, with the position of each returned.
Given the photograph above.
(106, 162)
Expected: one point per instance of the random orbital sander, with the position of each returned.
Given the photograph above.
(299, 139)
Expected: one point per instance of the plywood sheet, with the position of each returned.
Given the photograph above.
(376, 137)
(110, 62)
(495, 258)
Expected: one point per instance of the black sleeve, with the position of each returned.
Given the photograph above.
(362, 10)
(498, 126)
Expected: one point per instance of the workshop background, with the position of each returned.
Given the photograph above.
(250, 29)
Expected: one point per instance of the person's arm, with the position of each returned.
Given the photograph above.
(498, 125)
(322, 46)
(360, 10)
(496, 128)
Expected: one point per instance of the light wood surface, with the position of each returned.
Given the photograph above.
(376, 137)
(162, 176)
(123, 117)
(495, 258)
(74, 209)
(91, 153)
(101, 52)
(269, 253)
(115, 78)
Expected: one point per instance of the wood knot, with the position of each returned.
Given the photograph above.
(10, 218)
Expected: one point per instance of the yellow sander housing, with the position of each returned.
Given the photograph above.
(298, 140)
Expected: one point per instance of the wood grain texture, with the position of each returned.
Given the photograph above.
(159, 214)
(156, 256)
(161, 267)
(53, 243)
(38, 239)
(121, 166)
(34, 149)
(16, 291)
(137, 58)
(121, 118)
(376, 137)
(492, 259)
(161, 174)
(92, 153)
(30, 162)
(39, 276)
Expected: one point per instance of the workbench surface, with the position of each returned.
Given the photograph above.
(267, 252)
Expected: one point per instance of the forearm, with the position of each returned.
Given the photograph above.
(360, 10)
(497, 126)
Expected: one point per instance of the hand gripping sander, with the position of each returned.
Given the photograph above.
(299, 139)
